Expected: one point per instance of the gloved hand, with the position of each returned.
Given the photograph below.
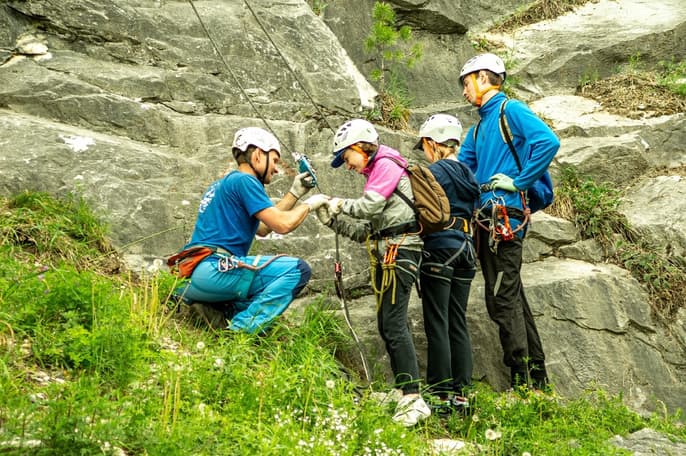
(316, 201)
(324, 216)
(301, 185)
(335, 206)
(504, 182)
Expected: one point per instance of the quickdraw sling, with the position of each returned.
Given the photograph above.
(388, 263)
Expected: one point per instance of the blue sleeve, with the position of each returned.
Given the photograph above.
(536, 144)
(252, 194)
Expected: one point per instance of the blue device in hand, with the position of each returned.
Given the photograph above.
(304, 166)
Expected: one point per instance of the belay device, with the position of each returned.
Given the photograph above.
(304, 166)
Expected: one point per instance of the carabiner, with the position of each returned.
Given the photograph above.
(225, 264)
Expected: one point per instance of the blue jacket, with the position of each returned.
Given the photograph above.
(489, 154)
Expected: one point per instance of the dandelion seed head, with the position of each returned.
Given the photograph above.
(492, 435)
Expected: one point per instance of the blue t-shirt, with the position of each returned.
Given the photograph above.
(226, 215)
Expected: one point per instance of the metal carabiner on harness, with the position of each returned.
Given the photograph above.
(225, 263)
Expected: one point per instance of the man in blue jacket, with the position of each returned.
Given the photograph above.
(502, 212)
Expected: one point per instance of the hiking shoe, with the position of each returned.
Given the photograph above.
(210, 315)
(447, 405)
(410, 410)
(439, 405)
(459, 404)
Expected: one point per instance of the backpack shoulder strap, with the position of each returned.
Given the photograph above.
(507, 134)
(476, 130)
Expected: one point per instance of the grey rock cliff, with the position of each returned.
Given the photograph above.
(127, 103)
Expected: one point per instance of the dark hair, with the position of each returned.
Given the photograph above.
(368, 148)
(243, 156)
(494, 78)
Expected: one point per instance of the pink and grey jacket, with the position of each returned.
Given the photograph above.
(379, 208)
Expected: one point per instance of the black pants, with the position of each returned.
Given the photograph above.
(508, 308)
(392, 321)
(445, 293)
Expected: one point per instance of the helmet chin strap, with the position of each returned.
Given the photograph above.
(479, 92)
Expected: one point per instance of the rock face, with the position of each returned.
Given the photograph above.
(128, 103)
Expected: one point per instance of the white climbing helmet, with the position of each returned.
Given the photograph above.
(351, 132)
(254, 136)
(487, 61)
(440, 128)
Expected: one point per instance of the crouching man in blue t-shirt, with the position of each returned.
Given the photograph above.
(253, 290)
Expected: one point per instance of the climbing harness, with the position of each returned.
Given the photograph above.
(228, 262)
(337, 265)
(387, 263)
(494, 217)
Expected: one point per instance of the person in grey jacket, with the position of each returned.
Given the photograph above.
(387, 224)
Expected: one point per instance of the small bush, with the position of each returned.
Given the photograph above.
(594, 209)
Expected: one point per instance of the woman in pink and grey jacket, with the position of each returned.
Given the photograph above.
(387, 224)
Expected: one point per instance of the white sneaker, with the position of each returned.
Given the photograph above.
(387, 398)
(410, 410)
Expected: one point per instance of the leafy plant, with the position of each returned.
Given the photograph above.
(389, 46)
(673, 76)
(587, 78)
(318, 6)
(592, 207)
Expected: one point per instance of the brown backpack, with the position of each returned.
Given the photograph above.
(431, 205)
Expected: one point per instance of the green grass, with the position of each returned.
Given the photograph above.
(91, 362)
(673, 76)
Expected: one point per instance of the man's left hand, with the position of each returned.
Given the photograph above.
(301, 185)
(316, 201)
(503, 182)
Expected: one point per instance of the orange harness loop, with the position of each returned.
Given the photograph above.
(502, 226)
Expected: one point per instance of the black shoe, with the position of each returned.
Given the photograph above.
(439, 404)
(448, 405)
(210, 315)
(459, 404)
(539, 376)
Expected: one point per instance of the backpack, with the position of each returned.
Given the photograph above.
(540, 195)
(431, 205)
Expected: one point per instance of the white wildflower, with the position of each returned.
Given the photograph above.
(493, 435)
